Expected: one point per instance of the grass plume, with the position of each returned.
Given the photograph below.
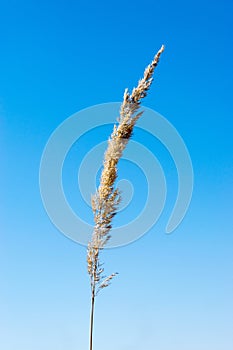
(107, 198)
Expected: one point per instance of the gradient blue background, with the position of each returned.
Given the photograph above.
(173, 292)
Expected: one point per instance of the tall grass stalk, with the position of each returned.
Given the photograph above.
(107, 198)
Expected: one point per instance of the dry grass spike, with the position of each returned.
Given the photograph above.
(107, 198)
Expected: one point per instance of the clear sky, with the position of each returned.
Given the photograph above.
(173, 292)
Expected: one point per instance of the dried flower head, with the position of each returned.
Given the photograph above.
(106, 199)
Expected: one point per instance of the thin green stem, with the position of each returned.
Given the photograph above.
(92, 317)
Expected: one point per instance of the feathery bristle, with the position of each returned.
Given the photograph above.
(106, 199)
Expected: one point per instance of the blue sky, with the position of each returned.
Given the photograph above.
(173, 291)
